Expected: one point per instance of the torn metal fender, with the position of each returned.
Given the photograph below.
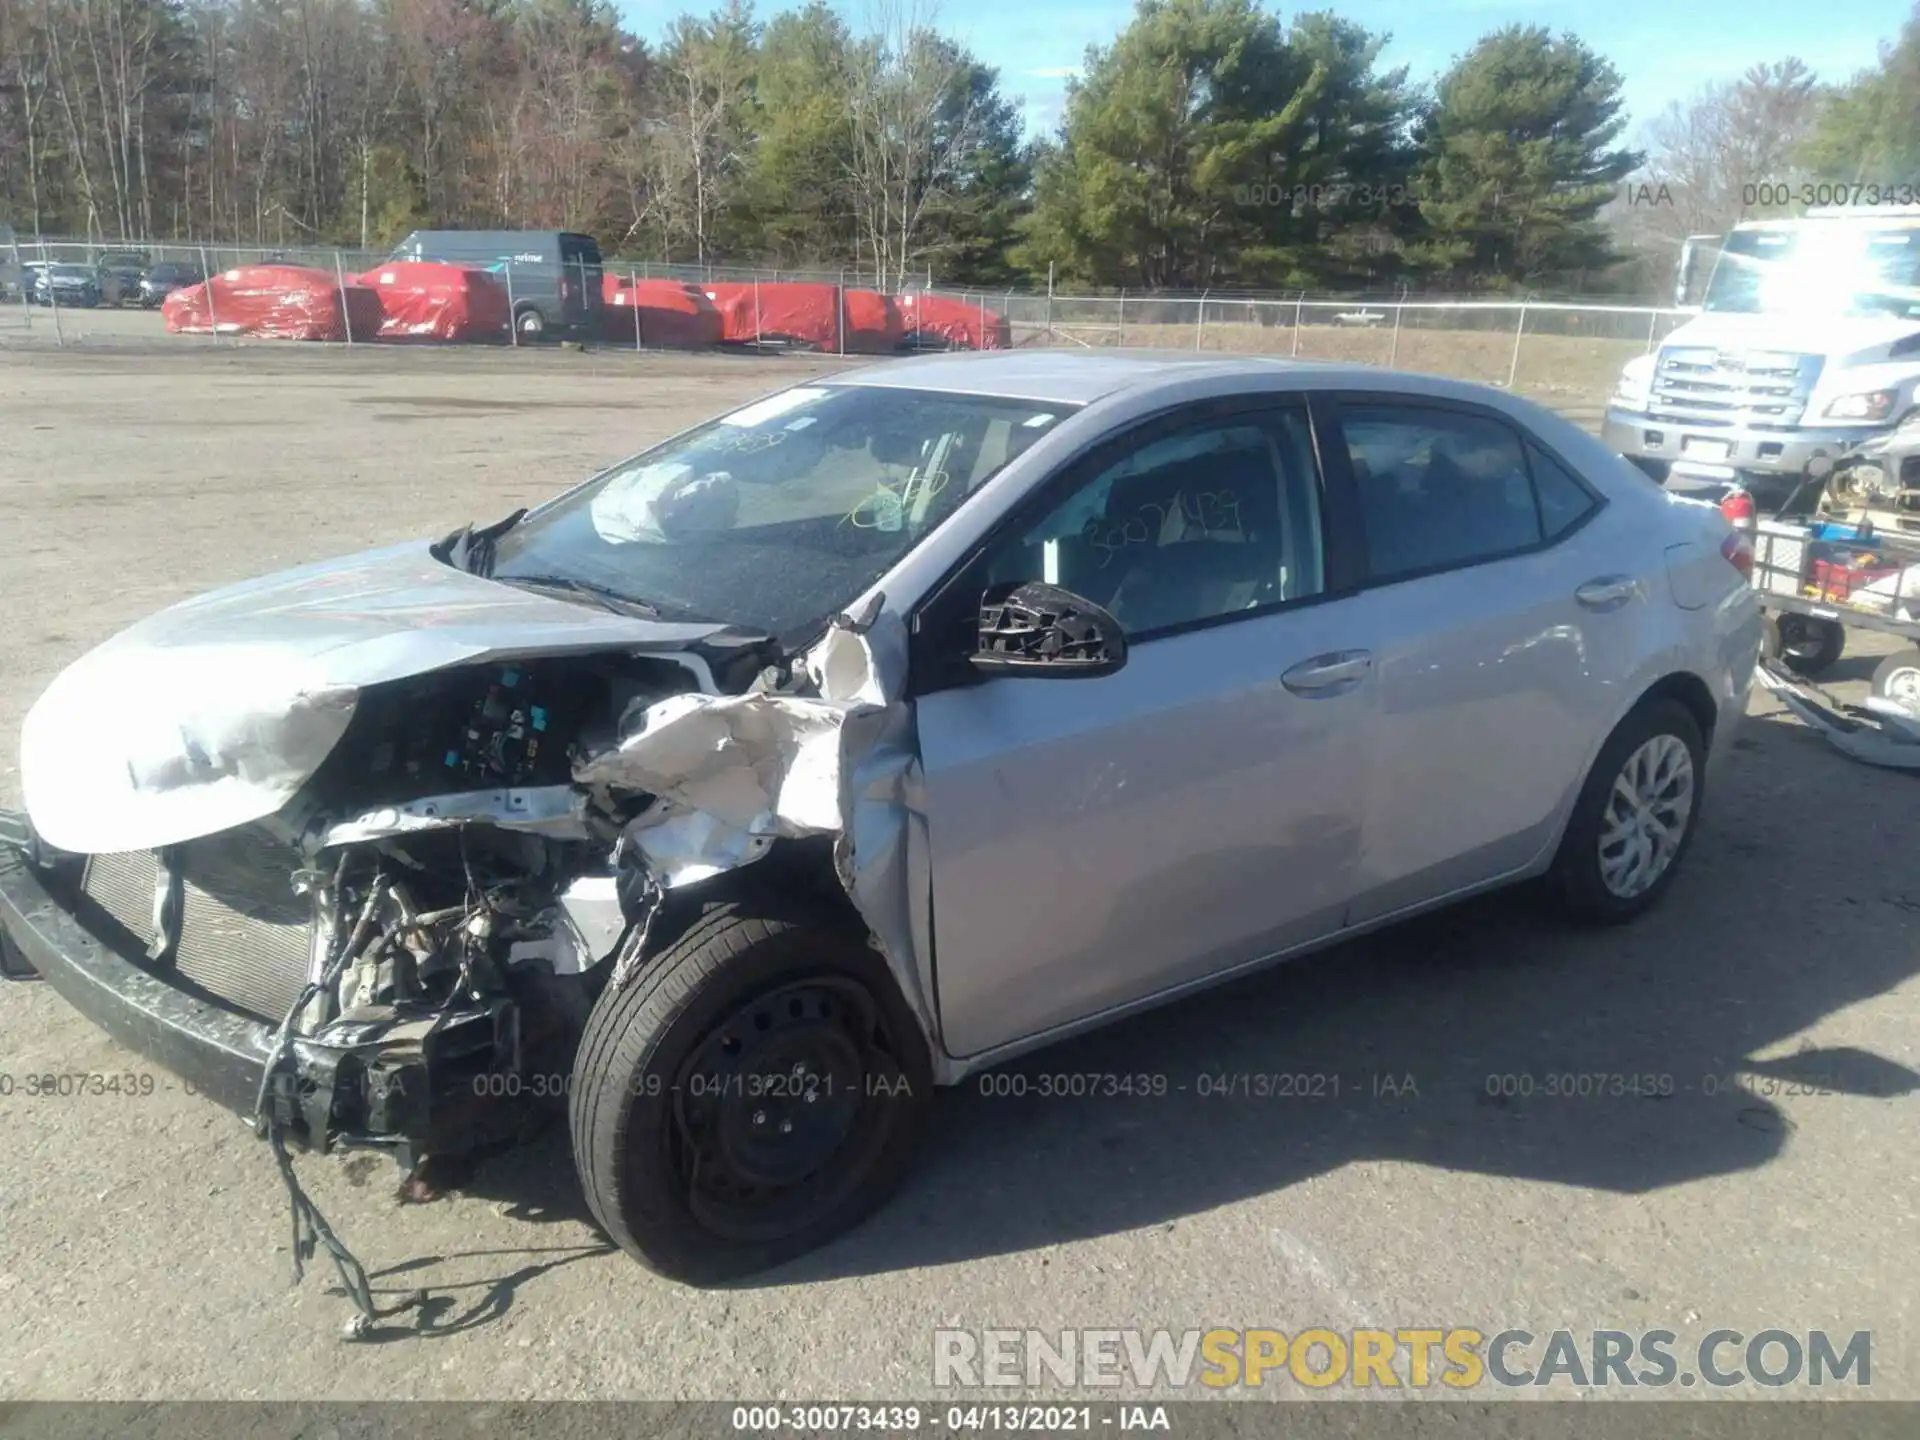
(1891, 741)
(882, 854)
(730, 773)
(733, 774)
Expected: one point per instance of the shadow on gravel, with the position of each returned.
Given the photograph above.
(445, 1309)
(1488, 1038)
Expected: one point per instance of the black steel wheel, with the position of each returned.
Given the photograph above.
(773, 1118)
(1806, 643)
(756, 1091)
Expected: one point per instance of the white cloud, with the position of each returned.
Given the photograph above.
(1053, 72)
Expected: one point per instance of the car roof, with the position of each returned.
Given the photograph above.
(1079, 377)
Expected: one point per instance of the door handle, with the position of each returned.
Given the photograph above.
(1328, 675)
(1608, 592)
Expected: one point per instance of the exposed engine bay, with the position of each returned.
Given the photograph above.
(463, 893)
(466, 899)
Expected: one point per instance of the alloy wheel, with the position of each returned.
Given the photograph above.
(1646, 816)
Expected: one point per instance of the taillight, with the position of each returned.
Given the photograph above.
(1737, 551)
(1738, 508)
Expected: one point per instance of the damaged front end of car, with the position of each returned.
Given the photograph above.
(368, 899)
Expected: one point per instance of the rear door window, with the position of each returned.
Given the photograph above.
(1441, 488)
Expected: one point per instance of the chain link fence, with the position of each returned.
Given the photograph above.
(1551, 348)
(1545, 346)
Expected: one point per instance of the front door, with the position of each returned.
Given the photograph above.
(1099, 841)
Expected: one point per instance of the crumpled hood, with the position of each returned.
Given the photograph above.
(215, 712)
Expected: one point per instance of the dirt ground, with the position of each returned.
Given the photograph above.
(143, 1240)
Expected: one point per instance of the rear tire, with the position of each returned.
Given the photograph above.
(698, 1146)
(1621, 850)
(531, 324)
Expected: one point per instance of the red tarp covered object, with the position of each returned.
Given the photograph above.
(274, 302)
(941, 320)
(806, 313)
(670, 313)
(424, 301)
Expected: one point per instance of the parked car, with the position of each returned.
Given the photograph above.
(165, 278)
(16, 278)
(121, 272)
(553, 276)
(75, 286)
(868, 736)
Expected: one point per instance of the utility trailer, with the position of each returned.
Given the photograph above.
(1843, 551)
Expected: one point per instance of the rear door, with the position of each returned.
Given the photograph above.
(1498, 611)
(580, 272)
(1099, 841)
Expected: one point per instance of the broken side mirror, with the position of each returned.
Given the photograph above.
(1032, 628)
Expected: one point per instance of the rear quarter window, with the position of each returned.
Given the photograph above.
(1564, 501)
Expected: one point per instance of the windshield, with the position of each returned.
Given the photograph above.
(1820, 268)
(777, 516)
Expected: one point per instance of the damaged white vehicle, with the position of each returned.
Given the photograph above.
(730, 800)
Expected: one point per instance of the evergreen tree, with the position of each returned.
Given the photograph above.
(1518, 159)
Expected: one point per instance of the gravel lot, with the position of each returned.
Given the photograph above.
(143, 1242)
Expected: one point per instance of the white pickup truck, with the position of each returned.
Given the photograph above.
(1807, 342)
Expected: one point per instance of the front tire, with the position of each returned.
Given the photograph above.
(757, 1090)
(1635, 817)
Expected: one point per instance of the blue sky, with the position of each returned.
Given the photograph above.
(1665, 49)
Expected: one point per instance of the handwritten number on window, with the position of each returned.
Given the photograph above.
(1210, 510)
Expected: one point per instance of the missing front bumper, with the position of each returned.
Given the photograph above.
(1877, 733)
(415, 1085)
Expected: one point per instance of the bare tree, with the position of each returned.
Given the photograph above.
(914, 121)
(1714, 152)
(687, 153)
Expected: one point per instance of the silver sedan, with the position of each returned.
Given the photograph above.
(862, 738)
